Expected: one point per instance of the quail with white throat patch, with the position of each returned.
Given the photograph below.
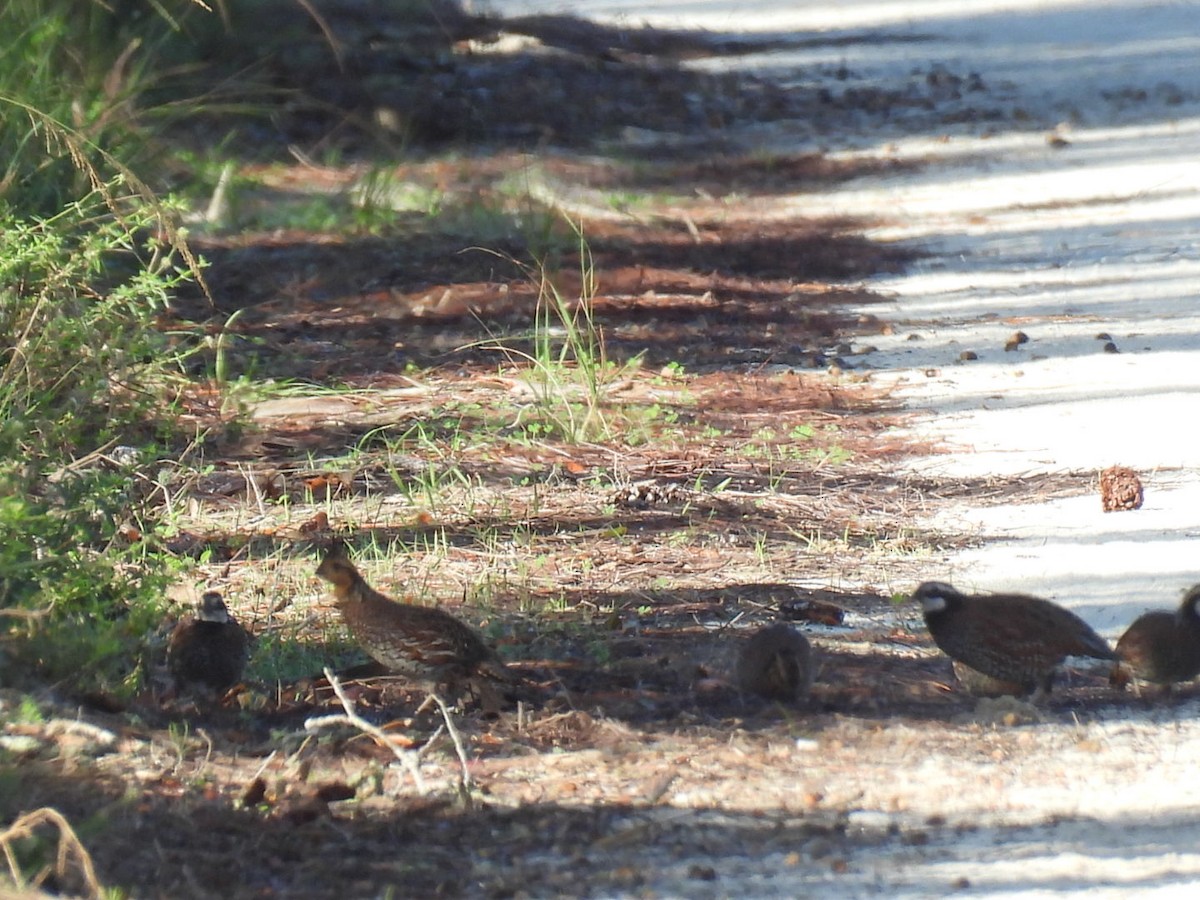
(1161, 646)
(776, 663)
(1010, 637)
(423, 644)
(208, 648)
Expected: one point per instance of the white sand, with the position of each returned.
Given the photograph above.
(1102, 235)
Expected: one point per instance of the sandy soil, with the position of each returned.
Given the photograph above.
(1076, 221)
(1027, 167)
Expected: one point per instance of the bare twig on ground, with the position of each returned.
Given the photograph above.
(455, 737)
(411, 759)
(70, 850)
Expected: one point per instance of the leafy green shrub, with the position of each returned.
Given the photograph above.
(70, 75)
(80, 355)
(71, 612)
(81, 368)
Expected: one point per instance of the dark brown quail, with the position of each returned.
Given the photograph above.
(423, 644)
(979, 685)
(1162, 647)
(776, 663)
(208, 648)
(1010, 637)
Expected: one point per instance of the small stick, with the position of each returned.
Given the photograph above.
(410, 758)
(69, 846)
(455, 737)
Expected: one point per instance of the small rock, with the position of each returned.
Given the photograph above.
(335, 791)
(19, 744)
(819, 848)
(125, 457)
(869, 820)
(254, 793)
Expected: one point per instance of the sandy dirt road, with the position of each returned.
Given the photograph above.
(1074, 219)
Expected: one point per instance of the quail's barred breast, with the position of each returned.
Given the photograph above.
(419, 642)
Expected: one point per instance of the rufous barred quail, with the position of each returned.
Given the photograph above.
(423, 644)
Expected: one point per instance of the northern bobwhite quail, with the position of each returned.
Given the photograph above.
(979, 685)
(1162, 647)
(208, 647)
(1010, 637)
(776, 663)
(425, 645)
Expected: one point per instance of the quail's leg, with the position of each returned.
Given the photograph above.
(1043, 689)
(490, 701)
(435, 691)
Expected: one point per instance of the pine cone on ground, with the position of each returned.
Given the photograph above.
(1120, 489)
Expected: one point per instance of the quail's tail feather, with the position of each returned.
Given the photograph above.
(1079, 639)
(1095, 646)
